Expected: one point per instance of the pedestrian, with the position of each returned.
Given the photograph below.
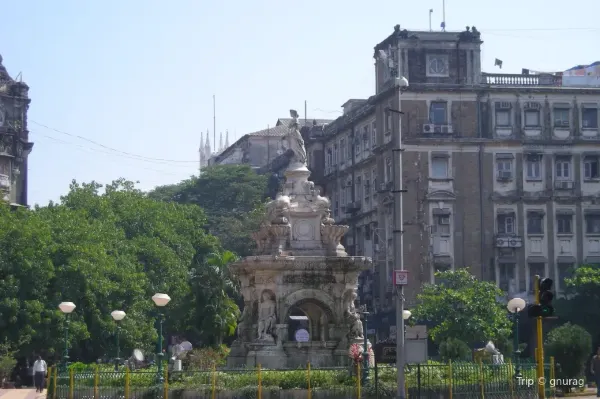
(595, 369)
(39, 368)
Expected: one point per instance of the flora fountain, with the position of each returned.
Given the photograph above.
(300, 287)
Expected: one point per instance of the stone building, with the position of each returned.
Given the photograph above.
(501, 171)
(264, 147)
(14, 138)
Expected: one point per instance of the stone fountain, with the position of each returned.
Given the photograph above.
(300, 287)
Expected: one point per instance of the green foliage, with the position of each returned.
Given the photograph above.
(453, 349)
(7, 362)
(207, 358)
(232, 196)
(462, 306)
(108, 251)
(581, 305)
(571, 346)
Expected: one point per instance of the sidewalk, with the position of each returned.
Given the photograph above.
(21, 394)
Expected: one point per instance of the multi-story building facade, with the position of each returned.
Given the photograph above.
(501, 172)
(14, 139)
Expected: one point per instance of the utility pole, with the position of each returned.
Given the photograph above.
(401, 84)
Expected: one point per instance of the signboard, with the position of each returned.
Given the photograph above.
(400, 277)
(302, 335)
(385, 353)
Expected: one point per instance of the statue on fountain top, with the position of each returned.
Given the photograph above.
(295, 140)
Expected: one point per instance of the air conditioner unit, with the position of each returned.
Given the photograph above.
(504, 105)
(428, 128)
(447, 129)
(445, 220)
(4, 181)
(563, 185)
(504, 174)
(564, 123)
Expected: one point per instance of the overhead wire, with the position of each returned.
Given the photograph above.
(108, 147)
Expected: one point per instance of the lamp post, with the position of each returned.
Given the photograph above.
(365, 374)
(405, 316)
(160, 300)
(401, 84)
(67, 308)
(117, 316)
(514, 306)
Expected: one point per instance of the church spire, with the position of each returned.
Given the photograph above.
(226, 138)
(200, 151)
(220, 141)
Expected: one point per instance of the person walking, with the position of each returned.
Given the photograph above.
(595, 369)
(39, 369)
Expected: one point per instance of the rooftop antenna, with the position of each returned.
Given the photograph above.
(443, 25)
(430, 12)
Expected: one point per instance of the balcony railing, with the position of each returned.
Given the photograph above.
(501, 79)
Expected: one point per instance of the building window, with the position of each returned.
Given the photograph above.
(438, 114)
(439, 168)
(535, 268)
(357, 144)
(565, 271)
(533, 166)
(592, 224)
(442, 225)
(590, 168)
(388, 118)
(564, 224)
(374, 179)
(358, 189)
(374, 134)
(506, 224)
(504, 169)
(343, 153)
(535, 223)
(589, 118)
(367, 185)
(349, 150)
(503, 117)
(532, 118)
(563, 169)
(365, 138)
(388, 170)
(561, 117)
(507, 276)
(336, 153)
(329, 159)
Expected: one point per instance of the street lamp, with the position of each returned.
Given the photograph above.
(117, 316)
(67, 308)
(401, 84)
(514, 306)
(160, 300)
(365, 375)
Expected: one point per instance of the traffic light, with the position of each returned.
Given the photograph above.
(543, 306)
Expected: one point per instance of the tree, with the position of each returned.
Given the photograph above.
(581, 303)
(570, 345)
(453, 349)
(232, 197)
(102, 251)
(462, 306)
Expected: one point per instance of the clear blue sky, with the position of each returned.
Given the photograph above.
(139, 76)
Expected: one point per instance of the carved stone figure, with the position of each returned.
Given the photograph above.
(353, 318)
(295, 140)
(266, 318)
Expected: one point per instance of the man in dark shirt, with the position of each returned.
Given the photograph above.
(595, 369)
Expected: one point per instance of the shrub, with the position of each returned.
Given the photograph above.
(207, 358)
(453, 349)
(570, 345)
(7, 362)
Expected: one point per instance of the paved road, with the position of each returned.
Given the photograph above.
(21, 394)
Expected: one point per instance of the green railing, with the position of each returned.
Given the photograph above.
(432, 380)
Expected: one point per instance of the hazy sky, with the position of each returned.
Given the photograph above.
(138, 76)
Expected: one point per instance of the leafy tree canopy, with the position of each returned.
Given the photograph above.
(571, 347)
(232, 197)
(462, 307)
(107, 251)
(581, 304)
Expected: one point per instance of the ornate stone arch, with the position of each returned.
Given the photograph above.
(309, 294)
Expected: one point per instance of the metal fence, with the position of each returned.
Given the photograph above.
(452, 381)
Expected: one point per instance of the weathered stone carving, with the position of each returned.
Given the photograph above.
(295, 140)
(266, 318)
(331, 236)
(352, 318)
(308, 279)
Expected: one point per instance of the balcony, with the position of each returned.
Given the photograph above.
(502, 79)
(353, 207)
(508, 241)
